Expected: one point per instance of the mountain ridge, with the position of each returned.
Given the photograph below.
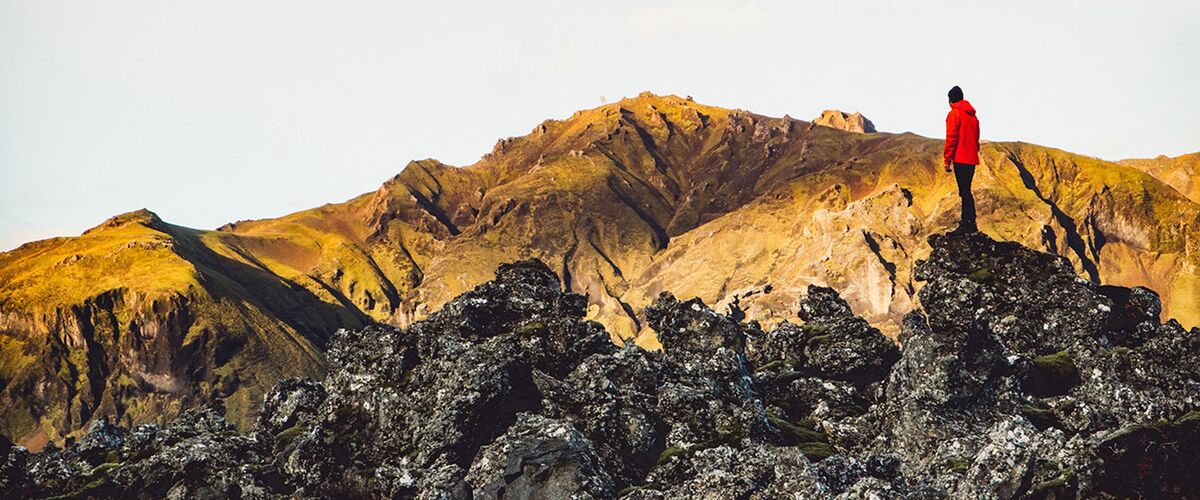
(1181, 172)
(622, 201)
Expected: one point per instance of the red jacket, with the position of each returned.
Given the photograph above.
(962, 134)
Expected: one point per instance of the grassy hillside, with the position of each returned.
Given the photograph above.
(136, 319)
(1181, 172)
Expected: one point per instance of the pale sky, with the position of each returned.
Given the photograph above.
(214, 111)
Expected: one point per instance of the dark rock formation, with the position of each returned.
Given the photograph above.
(1019, 380)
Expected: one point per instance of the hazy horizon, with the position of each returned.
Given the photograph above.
(215, 112)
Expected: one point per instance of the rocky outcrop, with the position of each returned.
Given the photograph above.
(849, 122)
(1019, 380)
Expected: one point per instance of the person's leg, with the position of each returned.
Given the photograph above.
(963, 174)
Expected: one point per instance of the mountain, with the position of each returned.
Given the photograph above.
(1015, 382)
(137, 319)
(1180, 172)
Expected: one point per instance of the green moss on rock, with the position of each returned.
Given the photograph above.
(959, 465)
(666, 454)
(1051, 375)
(535, 328)
(981, 276)
(1061, 486)
(815, 329)
(286, 436)
(794, 433)
(1040, 415)
(816, 451)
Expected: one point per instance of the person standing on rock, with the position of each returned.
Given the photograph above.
(962, 153)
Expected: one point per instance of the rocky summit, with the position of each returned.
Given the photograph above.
(1018, 379)
(841, 120)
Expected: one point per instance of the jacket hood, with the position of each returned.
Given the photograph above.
(964, 106)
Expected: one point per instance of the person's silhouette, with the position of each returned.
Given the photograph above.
(962, 152)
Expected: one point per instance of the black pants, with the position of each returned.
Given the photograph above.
(963, 173)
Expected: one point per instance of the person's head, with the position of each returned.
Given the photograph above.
(955, 94)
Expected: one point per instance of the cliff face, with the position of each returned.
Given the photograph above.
(623, 202)
(1015, 382)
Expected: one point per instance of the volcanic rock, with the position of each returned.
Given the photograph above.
(1020, 380)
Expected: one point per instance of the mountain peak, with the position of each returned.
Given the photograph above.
(648, 96)
(141, 216)
(850, 122)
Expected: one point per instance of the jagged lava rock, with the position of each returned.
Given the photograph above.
(1018, 380)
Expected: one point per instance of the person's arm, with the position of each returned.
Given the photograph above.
(951, 139)
(976, 133)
